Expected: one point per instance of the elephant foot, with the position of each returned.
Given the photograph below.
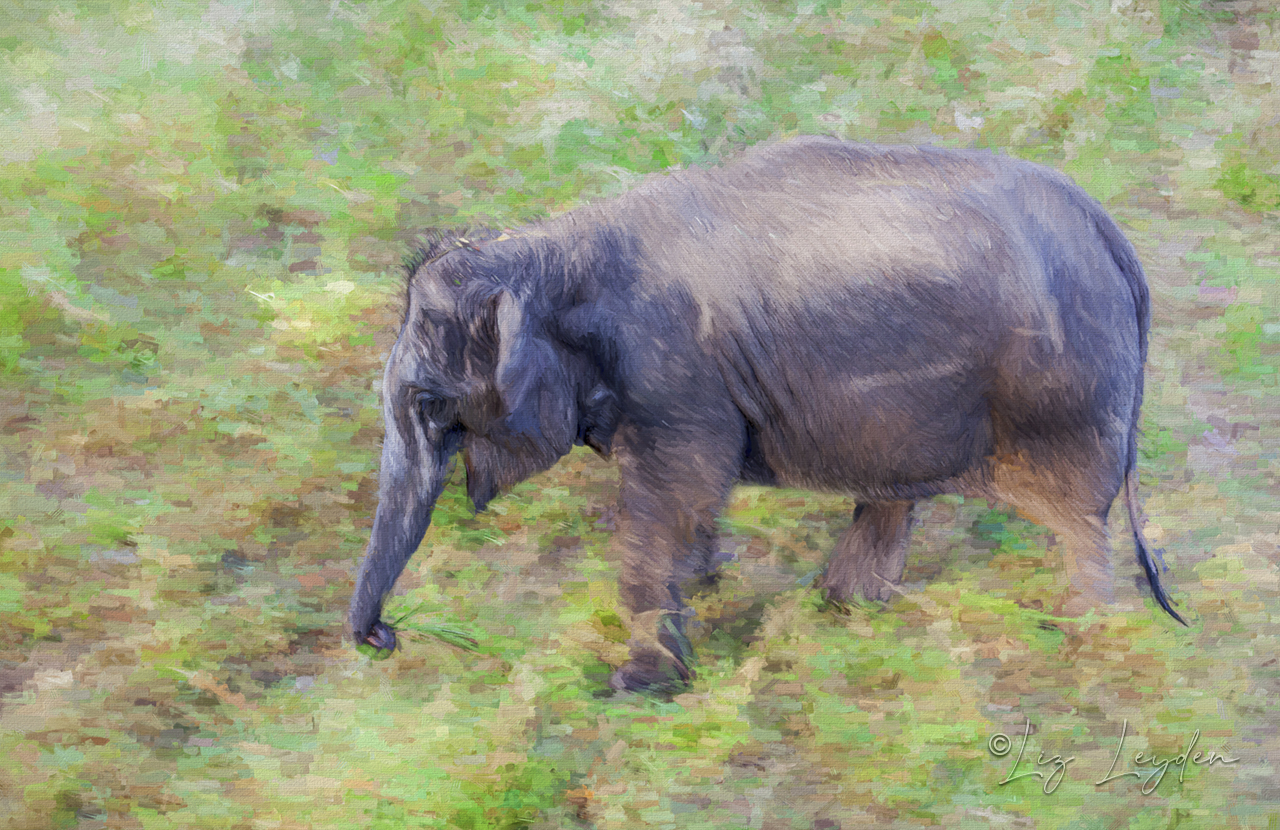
(659, 664)
(1076, 605)
(861, 587)
(651, 673)
(1084, 596)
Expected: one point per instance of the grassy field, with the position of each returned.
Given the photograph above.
(203, 208)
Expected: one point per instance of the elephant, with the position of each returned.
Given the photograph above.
(890, 323)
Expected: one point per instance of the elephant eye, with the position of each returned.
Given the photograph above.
(438, 412)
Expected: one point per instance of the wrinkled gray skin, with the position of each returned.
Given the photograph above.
(891, 323)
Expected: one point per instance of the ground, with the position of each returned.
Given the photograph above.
(202, 211)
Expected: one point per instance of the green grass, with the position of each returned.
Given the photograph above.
(203, 208)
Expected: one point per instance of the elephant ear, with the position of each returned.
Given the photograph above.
(535, 384)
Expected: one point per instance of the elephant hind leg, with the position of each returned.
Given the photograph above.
(1085, 546)
(871, 555)
(1075, 508)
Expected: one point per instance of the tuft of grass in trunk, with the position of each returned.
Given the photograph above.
(405, 623)
(447, 634)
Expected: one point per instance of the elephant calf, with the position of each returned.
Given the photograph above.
(888, 322)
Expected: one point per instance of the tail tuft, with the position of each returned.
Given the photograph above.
(1144, 550)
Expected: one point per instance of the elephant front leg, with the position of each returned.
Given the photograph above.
(871, 555)
(670, 498)
(660, 654)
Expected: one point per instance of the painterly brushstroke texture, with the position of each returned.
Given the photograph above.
(203, 211)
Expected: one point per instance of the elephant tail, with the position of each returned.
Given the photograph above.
(1145, 558)
(1126, 259)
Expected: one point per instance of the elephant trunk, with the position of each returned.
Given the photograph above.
(412, 475)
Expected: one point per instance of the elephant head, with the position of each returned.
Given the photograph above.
(478, 368)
